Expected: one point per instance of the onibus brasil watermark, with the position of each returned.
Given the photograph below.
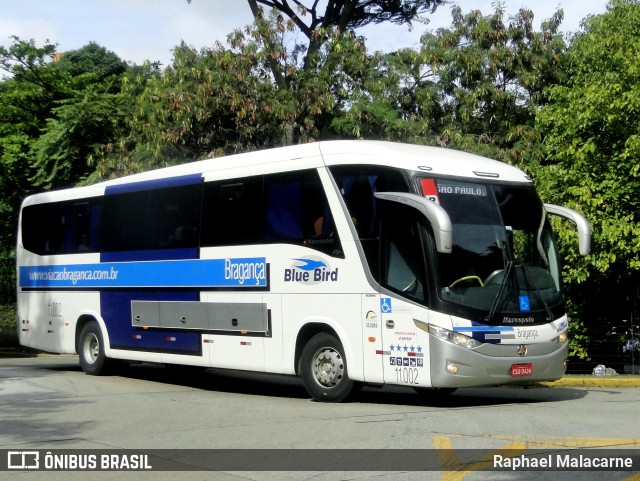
(578, 459)
(52, 461)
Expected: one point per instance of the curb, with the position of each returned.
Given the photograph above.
(11, 352)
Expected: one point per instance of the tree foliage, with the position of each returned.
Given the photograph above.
(341, 16)
(474, 86)
(491, 73)
(591, 128)
(592, 134)
(92, 64)
(294, 70)
(502, 87)
(349, 14)
(64, 108)
(53, 118)
(27, 95)
(203, 103)
(224, 99)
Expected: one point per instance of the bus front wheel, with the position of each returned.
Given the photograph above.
(323, 369)
(91, 350)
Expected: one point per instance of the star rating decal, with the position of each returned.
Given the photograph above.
(405, 348)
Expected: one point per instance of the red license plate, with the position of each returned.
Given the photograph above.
(521, 369)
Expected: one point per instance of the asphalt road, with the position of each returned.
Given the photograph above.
(48, 403)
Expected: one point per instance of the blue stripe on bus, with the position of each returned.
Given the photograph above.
(191, 179)
(149, 255)
(241, 272)
(483, 328)
(116, 312)
(488, 334)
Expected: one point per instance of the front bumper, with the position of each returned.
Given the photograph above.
(490, 365)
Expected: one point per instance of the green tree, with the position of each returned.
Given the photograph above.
(319, 27)
(265, 88)
(90, 116)
(292, 69)
(591, 129)
(27, 93)
(474, 86)
(338, 15)
(64, 110)
(223, 100)
(79, 127)
(92, 64)
(203, 104)
(491, 73)
(53, 117)
(31, 87)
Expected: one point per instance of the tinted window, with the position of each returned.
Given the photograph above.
(174, 217)
(61, 228)
(404, 265)
(279, 208)
(358, 184)
(125, 222)
(154, 219)
(231, 212)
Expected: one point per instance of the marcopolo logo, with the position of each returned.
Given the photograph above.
(310, 270)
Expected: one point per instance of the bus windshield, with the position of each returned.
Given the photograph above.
(504, 265)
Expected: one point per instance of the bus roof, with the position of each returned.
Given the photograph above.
(418, 158)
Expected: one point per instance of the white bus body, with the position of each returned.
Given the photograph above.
(342, 262)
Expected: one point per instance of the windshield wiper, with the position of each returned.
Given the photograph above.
(496, 300)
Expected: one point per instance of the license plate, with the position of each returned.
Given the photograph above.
(521, 370)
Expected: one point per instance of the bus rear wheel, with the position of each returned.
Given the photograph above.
(91, 350)
(323, 368)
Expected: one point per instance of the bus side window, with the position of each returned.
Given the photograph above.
(403, 265)
(284, 211)
(232, 212)
(358, 185)
(61, 227)
(174, 217)
(125, 222)
(297, 212)
(270, 209)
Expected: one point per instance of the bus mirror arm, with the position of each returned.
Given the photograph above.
(436, 215)
(584, 231)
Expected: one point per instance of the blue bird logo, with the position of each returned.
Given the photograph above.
(310, 264)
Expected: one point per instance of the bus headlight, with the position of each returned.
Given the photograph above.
(454, 337)
(452, 367)
(562, 338)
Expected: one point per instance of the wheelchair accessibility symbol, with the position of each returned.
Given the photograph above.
(385, 305)
(525, 306)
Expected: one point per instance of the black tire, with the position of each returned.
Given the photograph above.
(91, 350)
(323, 368)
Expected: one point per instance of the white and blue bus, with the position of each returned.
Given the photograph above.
(342, 262)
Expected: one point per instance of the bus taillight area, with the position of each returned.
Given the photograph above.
(454, 365)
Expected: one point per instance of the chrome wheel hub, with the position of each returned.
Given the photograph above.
(328, 367)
